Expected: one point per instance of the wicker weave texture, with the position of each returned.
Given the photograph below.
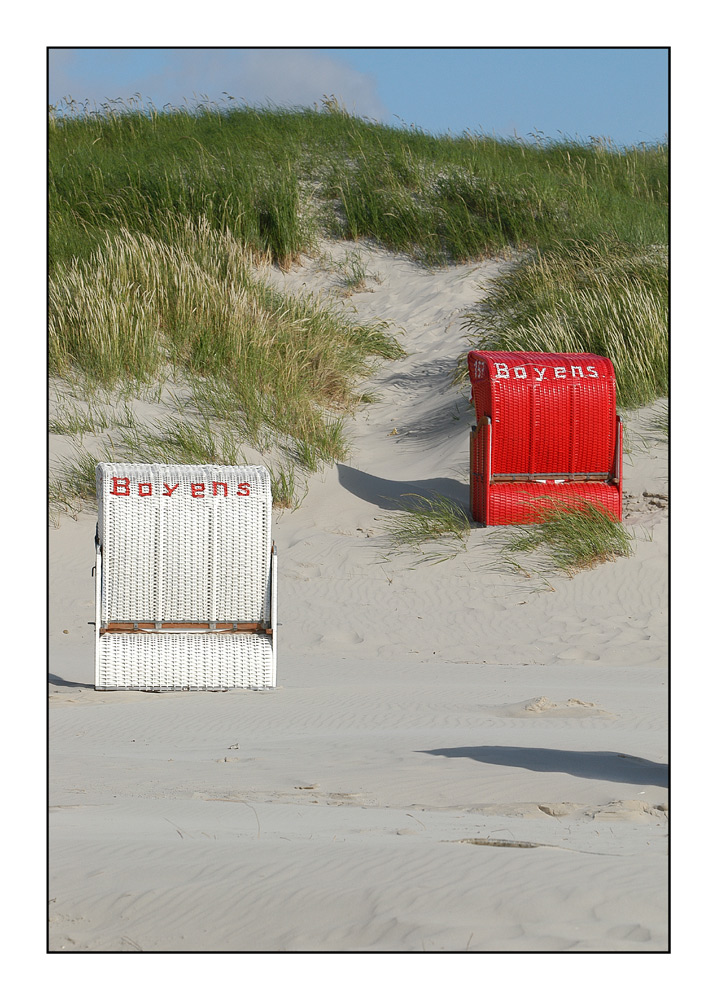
(189, 661)
(522, 503)
(479, 474)
(184, 543)
(550, 413)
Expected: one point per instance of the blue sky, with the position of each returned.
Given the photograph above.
(618, 93)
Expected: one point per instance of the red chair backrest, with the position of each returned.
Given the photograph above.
(550, 413)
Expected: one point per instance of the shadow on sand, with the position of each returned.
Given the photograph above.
(61, 682)
(600, 764)
(387, 493)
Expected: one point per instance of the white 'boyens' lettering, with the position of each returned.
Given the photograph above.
(503, 370)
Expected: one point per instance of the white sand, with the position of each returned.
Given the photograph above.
(456, 758)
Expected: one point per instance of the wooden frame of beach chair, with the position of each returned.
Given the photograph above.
(185, 578)
(547, 431)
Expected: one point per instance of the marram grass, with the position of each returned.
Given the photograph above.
(424, 521)
(276, 178)
(270, 362)
(569, 537)
(285, 486)
(601, 297)
(72, 487)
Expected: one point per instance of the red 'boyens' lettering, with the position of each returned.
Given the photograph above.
(120, 486)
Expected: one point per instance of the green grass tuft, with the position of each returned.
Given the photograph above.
(423, 520)
(569, 537)
(73, 487)
(284, 487)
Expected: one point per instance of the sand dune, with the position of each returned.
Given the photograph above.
(456, 758)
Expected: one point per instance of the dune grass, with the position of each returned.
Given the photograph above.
(285, 487)
(72, 487)
(270, 363)
(426, 520)
(569, 537)
(352, 273)
(604, 297)
(275, 177)
(661, 421)
(73, 421)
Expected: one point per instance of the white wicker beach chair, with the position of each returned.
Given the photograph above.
(185, 578)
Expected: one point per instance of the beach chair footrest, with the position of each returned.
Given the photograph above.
(176, 661)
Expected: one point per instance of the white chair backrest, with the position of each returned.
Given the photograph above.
(184, 543)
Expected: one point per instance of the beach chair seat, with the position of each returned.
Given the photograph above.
(547, 432)
(185, 578)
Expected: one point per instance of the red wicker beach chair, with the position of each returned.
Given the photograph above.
(547, 428)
